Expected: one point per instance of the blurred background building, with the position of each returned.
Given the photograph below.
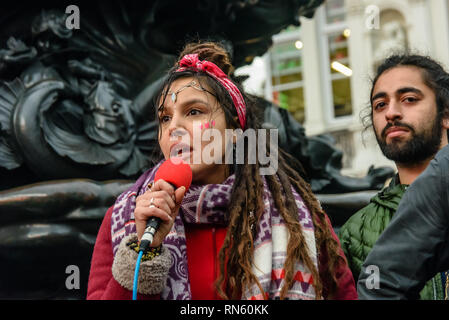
(321, 71)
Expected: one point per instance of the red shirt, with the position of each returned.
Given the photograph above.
(203, 246)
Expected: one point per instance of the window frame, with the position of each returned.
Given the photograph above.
(324, 31)
(270, 88)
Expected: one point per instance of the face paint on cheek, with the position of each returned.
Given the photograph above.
(207, 125)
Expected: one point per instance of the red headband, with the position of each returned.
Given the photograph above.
(191, 61)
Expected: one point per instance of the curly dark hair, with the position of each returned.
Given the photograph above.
(236, 254)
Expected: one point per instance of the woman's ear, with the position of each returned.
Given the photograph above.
(445, 123)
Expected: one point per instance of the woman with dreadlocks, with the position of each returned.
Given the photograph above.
(235, 233)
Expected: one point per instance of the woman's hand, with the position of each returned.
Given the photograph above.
(166, 202)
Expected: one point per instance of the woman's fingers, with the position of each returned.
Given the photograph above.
(147, 196)
(166, 203)
(157, 202)
(179, 195)
(144, 213)
(161, 185)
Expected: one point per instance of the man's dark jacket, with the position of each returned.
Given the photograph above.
(415, 245)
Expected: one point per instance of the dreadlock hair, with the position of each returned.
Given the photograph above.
(236, 254)
(433, 75)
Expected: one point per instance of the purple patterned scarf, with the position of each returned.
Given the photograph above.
(208, 204)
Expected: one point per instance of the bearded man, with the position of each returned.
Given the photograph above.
(410, 118)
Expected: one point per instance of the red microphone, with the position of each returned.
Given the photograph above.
(176, 172)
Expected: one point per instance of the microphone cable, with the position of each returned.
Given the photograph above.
(136, 274)
(145, 242)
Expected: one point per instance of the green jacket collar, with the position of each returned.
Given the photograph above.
(390, 196)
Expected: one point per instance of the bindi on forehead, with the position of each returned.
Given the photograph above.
(173, 94)
(192, 84)
(171, 98)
